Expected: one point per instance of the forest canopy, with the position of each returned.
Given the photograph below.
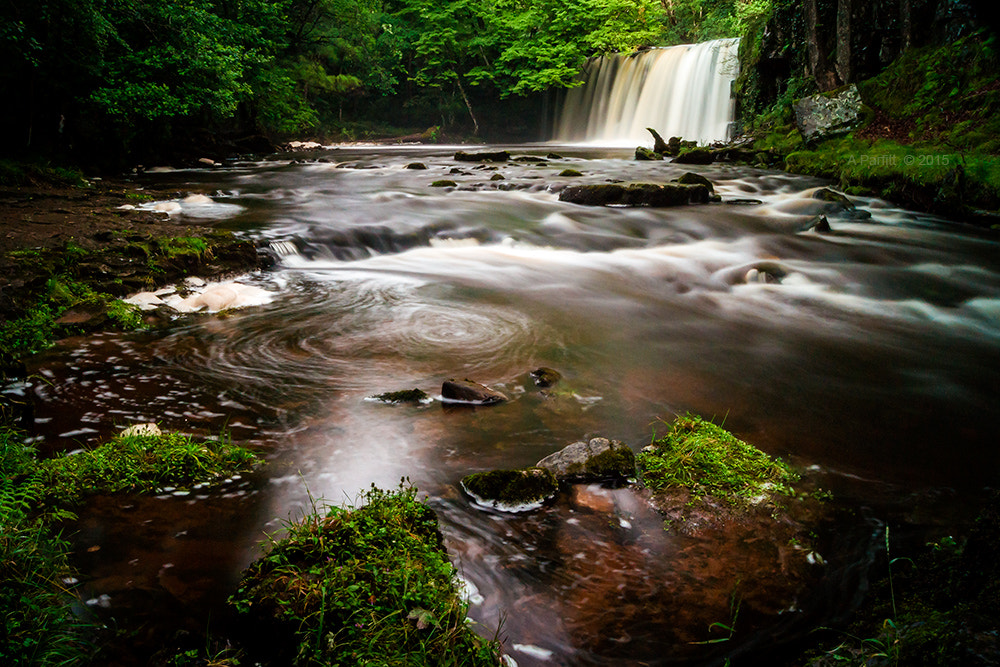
(128, 75)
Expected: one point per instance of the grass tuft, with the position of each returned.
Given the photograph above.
(707, 460)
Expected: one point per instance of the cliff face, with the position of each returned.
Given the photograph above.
(831, 43)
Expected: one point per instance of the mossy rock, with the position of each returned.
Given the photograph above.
(643, 153)
(596, 459)
(691, 178)
(416, 165)
(570, 173)
(375, 577)
(486, 156)
(511, 490)
(402, 396)
(443, 183)
(497, 177)
(704, 459)
(695, 156)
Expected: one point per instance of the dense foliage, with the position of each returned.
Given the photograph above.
(131, 77)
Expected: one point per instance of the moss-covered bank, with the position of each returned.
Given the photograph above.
(930, 141)
(36, 502)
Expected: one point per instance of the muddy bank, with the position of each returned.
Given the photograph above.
(68, 253)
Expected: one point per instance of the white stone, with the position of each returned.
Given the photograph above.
(141, 429)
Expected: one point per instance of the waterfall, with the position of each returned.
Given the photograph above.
(680, 91)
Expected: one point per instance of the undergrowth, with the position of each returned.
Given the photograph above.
(361, 585)
(35, 496)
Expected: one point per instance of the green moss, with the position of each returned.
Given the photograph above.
(614, 462)
(444, 183)
(707, 460)
(403, 396)
(367, 585)
(570, 172)
(140, 464)
(511, 488)
(126, 316)
(181, 245)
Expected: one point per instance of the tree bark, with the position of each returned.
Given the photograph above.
(819, 66)
(845, 10)
(468, 105)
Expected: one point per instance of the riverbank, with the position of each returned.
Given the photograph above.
(71, 249)
(928, 140)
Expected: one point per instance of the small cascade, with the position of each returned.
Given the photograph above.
(680, 91)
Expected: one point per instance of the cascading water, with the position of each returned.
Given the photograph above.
(680, 91)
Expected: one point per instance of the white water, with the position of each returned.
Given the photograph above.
(680, 91)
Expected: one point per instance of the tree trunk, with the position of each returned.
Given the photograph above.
(906, 19)
(819, 67)
(845, 10)
(468, 105)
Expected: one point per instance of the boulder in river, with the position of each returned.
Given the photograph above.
(637, 194)
(487, 156)
(511, 490)
(467, 391)
(643, 153)
(695, 156)
(691, 178)
(599, 458)
(659, 145)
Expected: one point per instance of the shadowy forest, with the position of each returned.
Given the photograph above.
(108, 83)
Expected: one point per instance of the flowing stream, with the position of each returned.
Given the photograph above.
(870, 359)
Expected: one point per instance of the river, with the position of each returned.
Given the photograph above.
(871, 360)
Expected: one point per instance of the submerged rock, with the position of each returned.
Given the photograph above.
(416, 165)
(467, 391)
(511, 490)
(599, 458)
(545, 377)
(570, 172)
(637, 194)
(443, 183)
(817, 223)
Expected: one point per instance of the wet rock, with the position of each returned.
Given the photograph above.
(818, 223)
(673, 147)
(416, 165)
(554, 156)
(764, 274)
(643, 153)
(530, 158)
(742, 202)
(467, 391)
(691, 178)
(545, 377)
(402, 396)
(497, 177)
(847, 207)
(570, 173)
(659, 145)
(829, 114)
(488, 156)
(443, 183)
(695, 156)
(638, 194)
(511, 490)
(599, 458)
